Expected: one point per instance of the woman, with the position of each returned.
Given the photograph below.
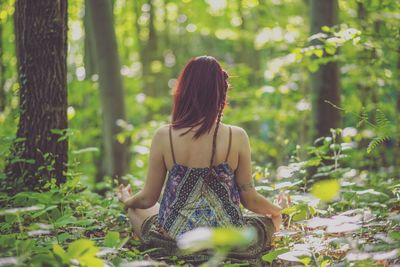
(208, 165)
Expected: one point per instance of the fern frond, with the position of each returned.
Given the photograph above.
(376, 142)
(381, 120)
(363, 118)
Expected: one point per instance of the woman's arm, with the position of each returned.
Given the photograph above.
(249, 197)
(156, 172)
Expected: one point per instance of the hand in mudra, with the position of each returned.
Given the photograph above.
(283, 201)
(124, 192)
(277, 221)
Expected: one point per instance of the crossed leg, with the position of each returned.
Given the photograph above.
(138, 216)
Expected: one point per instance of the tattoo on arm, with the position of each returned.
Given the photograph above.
(246, 186)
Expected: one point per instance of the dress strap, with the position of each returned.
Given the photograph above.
(229, 145)
(214, 144)
(170, 142)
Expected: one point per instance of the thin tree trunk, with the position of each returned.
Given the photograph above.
(325, 81)
(111, 87)
(167, 27)
(147, 49)
(40, 150)
(397, 120)
(150, 53)
(88, 57)
(247, 54)
(2, 73)
(140, 44)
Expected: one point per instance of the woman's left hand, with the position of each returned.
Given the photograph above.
(124, 192)
(277, 221)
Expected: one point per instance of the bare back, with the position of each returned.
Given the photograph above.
(196, 153)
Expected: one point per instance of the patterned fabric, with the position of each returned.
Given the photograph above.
(153, 238)
(195, 197)
(192, 199)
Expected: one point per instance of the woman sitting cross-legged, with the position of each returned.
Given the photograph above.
(209, 171)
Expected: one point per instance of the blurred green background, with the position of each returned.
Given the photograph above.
(265, 47)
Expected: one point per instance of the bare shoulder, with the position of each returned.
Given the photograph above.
(163, 129)
(238, 132)
(161, 133)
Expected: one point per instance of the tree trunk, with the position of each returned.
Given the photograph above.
(111, 87)
(40, 151)
(167, 41)
(245, 50)
(2, 73)
(397, 120)
(89, 57)
(147, 49)
(325, 81)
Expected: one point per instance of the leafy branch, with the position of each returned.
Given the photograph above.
(382, 126)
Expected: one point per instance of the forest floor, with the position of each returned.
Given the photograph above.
(71, 224)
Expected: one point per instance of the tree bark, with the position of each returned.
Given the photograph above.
(2, 73)
(111, 87)
(325, 82)
(397, 120)
(39, 152)
(89, 57)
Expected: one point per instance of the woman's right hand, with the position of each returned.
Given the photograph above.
(283, 200)
(124, 192)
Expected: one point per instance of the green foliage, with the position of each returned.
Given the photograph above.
(266, 49)
(271, 256)
(82, 251)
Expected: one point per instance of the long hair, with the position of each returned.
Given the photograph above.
(200, 95)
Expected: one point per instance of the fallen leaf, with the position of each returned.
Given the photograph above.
(393, 254)
(294, 255)
(346, 227)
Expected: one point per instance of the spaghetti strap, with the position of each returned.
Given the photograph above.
(213, 146)
(170, 142)
(229, 145)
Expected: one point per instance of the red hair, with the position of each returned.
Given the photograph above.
(200, 95)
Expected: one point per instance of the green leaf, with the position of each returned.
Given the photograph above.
(85, 150)
(330, 49)
(82, 248)
(272, 255)
(381, 119)
(59, 251)
(299, 212)
(65, 220)
(63, 237)
(21, 160)
(90, 261)
(112, 240)
(376, 142)
(326, 190)
(318, 52)
(300, 215)
(39, 213)
(313, 66)
(325, 28)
